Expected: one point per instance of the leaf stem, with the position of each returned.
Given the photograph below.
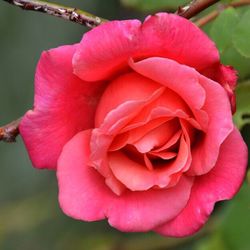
(67, 13)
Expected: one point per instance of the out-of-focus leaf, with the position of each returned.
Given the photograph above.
(242, 116)
(248, 177)
(232, 57)
(236, 223)
(241, 35)
(223, 27)
(222, 32)
(215, 242)
(152, 5)
(233, 231)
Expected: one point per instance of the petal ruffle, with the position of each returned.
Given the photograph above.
(106, 49)
(84, 195)
(217, 106)
(209, 96)
(221, 183)
(63, 106)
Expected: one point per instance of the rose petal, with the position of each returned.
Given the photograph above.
(227, 77)
(135, 134)
(116, 119)
(117, 41)
(137, 177)
(127, 87)
(217, 105)
(221, 183)
(167, 105)
(64, 105)
(179, 78)
(83, 194)
(157, 137)
(164, 155)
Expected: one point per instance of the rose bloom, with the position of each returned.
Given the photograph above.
(137, 121)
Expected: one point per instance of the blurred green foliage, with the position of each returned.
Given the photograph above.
(241, 35)
(226, 32)
(231, 232)
(30, 217)
(152, 5)
(242, 116)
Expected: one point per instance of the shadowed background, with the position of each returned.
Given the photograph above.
(30, 217)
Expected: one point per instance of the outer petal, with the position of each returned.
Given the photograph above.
(107, 48)
(217, 106)
(63, 106)
(227, 77)
(219, 184)
(83, 194)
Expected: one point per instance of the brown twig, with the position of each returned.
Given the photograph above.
(212, 15)
(67, 13)
(195, 7)
(9, 132)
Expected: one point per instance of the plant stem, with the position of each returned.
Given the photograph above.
(67, 13)
(9, 132)
(212, 15)
(195, 7)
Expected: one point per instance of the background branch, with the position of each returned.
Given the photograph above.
(67, 13)
(9, 132)
(195, 7)
(212, 15)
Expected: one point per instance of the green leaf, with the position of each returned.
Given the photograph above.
(215, 242)
(241, 35)
(221, 32)
(236, 223)
(222, 28)
(232, 57)
(242, 116)
(248, 177)
(152, 5)
(232, 232)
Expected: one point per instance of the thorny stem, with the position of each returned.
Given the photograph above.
(9, 132)
(195, 7)
(67, 13)
(212, 15)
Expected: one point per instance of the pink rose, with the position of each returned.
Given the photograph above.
(137, 120)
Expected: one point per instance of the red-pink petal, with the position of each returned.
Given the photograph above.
(106, 49)
(137, 177)
(83, 194)
(82, 191)
(157, 136)
(179, 78)
(227, 77)
(134, 134)
(221, 183)
(115, 120)
(127, 87)
(217, 106)
(63, 106)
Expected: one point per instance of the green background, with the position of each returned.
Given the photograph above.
(30, 218)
